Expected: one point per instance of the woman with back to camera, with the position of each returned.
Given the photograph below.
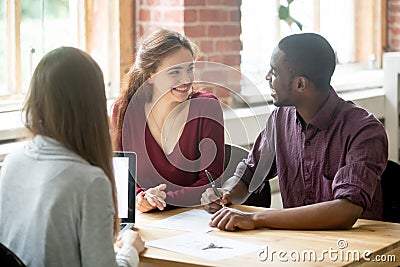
(57, 194)
(176, 131)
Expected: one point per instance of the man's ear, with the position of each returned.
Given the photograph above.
(301, 83)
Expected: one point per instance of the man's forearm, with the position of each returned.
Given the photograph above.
(335, 214)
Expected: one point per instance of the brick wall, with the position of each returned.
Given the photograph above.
(393, 18)
(156, 13)
(214, 25)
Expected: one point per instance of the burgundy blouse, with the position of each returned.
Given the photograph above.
(200, 147)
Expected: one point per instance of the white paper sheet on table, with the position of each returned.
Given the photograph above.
(191, 221)
(195, 244)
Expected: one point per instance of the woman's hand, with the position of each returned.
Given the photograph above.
(211, 202)
(152, 198)
(131, 238)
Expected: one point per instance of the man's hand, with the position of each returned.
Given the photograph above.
(228, 219)
(211, 202)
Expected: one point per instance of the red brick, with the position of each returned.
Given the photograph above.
(235, 15)
(203, 57)
(393, 2)
(213, 2)
(223, 46)
(195, 31)
(225, 30)
(213, 15)
(393, 7)
(231, 60)
(156, 15)
(392, 39)
(144, 14)
(391, 19)
(215, 31)
(218, 76)
(234, 87)
(231, 3)
(215, 58)
(193, 3)
(394, 45)
(153, 2)
(235, 74)
(397, 19)
(207, 46)
(236, 44)
(395, 30)
(173, 15)
(222, 92)
(141, 30)
(190, 15)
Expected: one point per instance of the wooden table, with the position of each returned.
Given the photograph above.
(382, 239)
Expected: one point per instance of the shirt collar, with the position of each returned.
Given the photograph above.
(323, 118)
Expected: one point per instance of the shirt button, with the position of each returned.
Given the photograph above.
(308, 143)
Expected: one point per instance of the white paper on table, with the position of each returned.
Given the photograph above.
(191, 221)
(194, 244)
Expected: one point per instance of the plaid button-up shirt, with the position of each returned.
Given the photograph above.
(341, 153)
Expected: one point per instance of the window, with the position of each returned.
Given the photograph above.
(351, 26)
(31, 28)
(44, 26)
(3, 46)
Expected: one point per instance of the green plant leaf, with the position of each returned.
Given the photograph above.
(297, 23)
(284, 13)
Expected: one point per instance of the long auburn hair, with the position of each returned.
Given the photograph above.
(66, 101)
(153, 49)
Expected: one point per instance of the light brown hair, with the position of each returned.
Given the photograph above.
(66, 101)
(154, 48)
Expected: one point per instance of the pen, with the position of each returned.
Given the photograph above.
(216, 192)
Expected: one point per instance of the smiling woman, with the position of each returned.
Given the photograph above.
(176, 131)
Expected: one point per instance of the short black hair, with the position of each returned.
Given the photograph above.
(309, 55)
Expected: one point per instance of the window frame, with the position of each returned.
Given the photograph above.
(370, 36)
(13, 18)
(88, 32)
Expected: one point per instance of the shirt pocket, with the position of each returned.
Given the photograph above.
(328, 172)
(328, 177)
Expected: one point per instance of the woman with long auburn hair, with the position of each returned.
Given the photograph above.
(176, 130)
(57, 194)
